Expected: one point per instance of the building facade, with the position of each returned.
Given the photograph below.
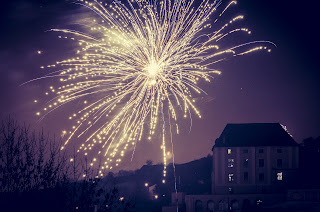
(252, 164)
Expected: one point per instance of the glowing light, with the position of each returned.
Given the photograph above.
(153, 69)
(39, 52)
(63, 133)
(286, 129)
(146, 184)
(279, 176)
(139, 66)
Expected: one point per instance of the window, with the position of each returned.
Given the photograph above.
(230, 190)
(210, 205)
(230, 163)
(245, 150)
(279, 150)
(279, 163)
(259, 202)
(198, 206)
(234, 205)
(231, 177)
(261, 162)
(246, 162)
(245, 176)
(279, 176)
(260, 150)
(229, 151)
(261, 177)
(223, 205)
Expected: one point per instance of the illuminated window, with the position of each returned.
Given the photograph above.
(279, 176)
(261, 162)
(229, 151)
(259, 202)
(231, 177)
(230, 163)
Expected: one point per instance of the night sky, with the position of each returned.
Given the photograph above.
(281, 86)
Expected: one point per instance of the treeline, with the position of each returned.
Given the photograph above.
(309, 163)
(36, 176)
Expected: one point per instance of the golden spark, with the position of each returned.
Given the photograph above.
(139, 66)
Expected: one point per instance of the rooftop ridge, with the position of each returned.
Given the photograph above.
(254, 134)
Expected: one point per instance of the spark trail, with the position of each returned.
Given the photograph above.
(138, 68)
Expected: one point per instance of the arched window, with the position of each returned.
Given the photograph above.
(210, 206)
(223, 205)
(198, 206)
(234, 205)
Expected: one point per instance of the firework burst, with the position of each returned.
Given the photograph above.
(137, 70)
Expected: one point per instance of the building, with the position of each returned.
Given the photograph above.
(252, 164)
(253, 158)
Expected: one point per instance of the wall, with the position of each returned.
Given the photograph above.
(260, 179)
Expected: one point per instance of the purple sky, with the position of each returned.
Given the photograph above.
(281, 86)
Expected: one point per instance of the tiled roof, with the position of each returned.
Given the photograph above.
(254, 134)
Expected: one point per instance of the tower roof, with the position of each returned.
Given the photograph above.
(254, 134)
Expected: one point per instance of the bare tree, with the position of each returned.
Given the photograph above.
(34, 174)
(28, 160)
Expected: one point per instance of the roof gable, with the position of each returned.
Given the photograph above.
(254, 134)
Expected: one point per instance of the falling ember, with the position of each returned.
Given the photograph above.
(136, 72)
(63, 133)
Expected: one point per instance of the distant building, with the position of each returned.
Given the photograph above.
(252, 164)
